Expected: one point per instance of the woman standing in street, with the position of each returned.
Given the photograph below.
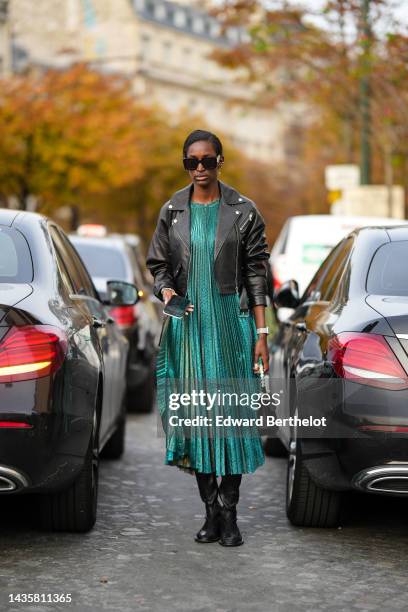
(209, 246)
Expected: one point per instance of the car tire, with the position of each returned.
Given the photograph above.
(142, 397)
(115, 446)
(273, 447)
(74, 509)
(307, 504)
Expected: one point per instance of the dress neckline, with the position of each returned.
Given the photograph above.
(205, 205)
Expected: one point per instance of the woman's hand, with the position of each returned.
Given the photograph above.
(261, 351)
(168, 294)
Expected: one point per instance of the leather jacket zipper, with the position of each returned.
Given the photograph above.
(236, 262)
(247, 220)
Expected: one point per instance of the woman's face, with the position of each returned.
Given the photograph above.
(201, 176)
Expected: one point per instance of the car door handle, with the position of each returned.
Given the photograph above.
(301, 326)
(97, 323)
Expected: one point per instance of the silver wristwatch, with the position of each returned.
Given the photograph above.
(262, 330)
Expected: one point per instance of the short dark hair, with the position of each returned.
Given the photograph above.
(198, 135)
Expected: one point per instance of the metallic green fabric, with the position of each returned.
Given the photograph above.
(210, 349)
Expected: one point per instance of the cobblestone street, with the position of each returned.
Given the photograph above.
(141, 554)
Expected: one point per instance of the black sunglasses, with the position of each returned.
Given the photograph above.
(209, 163)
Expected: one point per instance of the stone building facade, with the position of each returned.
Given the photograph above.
(163, 47)
(5, 39)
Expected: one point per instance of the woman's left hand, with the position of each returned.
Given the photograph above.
(261, 351)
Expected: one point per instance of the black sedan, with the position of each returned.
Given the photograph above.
(342, 361)
(62, 373)
(111, 257)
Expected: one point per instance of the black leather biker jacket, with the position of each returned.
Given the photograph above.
(240, 250)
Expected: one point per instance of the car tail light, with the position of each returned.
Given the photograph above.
(125, 316)
(367, 359)
(31, 351)
(15, 425)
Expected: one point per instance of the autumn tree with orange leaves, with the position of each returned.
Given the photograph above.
(65, 134)
(319, 67)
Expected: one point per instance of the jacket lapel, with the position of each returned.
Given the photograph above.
(226, 218)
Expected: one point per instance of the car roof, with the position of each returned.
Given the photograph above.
(107, 241)
(395, 232)
(8, 216)
(346, 219)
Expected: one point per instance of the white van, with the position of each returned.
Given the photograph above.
(305, 241)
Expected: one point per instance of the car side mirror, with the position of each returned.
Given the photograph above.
(120, 293)
(287, 296)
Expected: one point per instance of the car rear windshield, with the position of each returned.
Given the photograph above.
(15, 258)
(388, 273)
(102, 261)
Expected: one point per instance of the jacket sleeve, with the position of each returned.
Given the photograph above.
(158, 256)
(256, 257)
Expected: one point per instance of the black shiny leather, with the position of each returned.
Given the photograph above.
(208, 488)
(240, 250)
(230, 534)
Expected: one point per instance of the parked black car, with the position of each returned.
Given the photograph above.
(344, 356)
(111, 257)
(62, 372)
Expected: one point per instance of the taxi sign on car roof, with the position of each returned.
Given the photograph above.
(92, 230)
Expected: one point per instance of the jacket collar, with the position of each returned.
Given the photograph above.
(181, 198)
(228, 214)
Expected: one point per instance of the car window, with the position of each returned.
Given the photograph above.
(331, 279)
(87, 285)
(63, 272)
(78, 276)
(388, 273)
(137, 273)
(324, 282)
(102, 261)
(313, 290)
(15, 257)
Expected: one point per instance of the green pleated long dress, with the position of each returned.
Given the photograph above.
(210, 349)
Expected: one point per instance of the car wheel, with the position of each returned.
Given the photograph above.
(141, 398)
(115, 446)
(308, 505)
(74, 509)
(273, 447)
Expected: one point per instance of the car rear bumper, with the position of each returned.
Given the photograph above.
(365, 445)
(49, 453)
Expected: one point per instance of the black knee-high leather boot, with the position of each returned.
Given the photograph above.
(208, 488)
(229, 495)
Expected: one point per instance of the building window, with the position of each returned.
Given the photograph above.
(160, 12)
(189, 22)
(179, 19)
(215, 29)
(198, 25)
(145, 46)
(149, 4)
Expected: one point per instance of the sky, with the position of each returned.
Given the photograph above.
(400, 8)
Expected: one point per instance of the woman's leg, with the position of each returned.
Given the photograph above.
(229, 495)
(208, 488)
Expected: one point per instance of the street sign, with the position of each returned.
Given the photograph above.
(342, 176)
